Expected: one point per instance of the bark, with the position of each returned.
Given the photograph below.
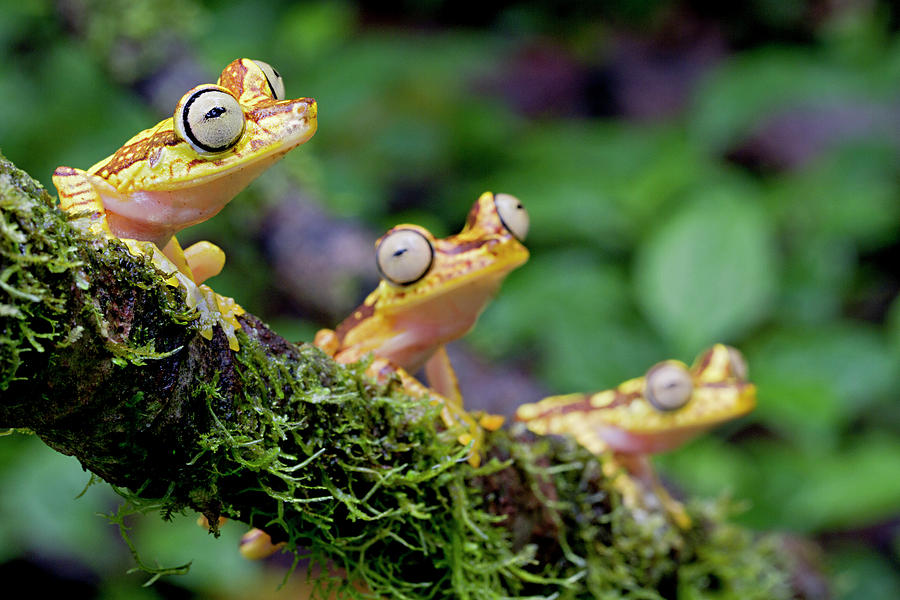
(105, 362)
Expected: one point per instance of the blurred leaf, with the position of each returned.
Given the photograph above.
(600, 184)
(18, 18)
(852, 486)
(818, 272)
(125, 589)
(812, 381)
(248, 26)
(555, 286)
(893, 328)
(41, 511)
(708, 467)
(309, 30)
(216, 564)
(77, 132)
(761, 82)
(860, 573)
(574, 312)
(850, 194)
(708, 273)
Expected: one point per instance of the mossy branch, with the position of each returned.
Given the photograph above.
(103, 361)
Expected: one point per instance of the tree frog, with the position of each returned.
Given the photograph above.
(185, 170)
(669, 405)
(431, 292)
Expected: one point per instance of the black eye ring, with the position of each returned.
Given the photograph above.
(518, 228)
(227, 133)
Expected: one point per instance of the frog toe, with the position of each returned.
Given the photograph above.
(257, 545)
(205, 260)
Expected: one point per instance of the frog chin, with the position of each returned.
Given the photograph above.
(646, 442)
(156, 215)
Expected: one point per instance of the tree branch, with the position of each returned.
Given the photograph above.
(105, 362)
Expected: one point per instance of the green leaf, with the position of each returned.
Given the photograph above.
(862, 573)
(600, 184)
(574, 313)
(708, 273)
(848, 195)
(893, 328)
(853, 486)
(41, 511)
(760, 83)
(813, 381)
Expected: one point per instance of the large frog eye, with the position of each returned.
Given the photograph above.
(209, 118)
(737, 363)
(668, 386)
(513, 215)
(276, 83)
(404, 256)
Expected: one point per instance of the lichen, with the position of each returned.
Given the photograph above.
(104, 361)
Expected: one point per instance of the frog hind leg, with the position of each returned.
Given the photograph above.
(79, 198)
(442, 379)
(639, 466)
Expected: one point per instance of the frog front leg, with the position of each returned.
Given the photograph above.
(79, 197)
(442, 379)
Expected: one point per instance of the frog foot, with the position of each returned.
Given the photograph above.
(489, 421)
(256, 544)
(453, 416)
(212, 308)
(641, 488)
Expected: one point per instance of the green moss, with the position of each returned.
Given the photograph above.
(103, 361)
(30, 306)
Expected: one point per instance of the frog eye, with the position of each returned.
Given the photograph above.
(404, 256)
(512, 214)
(276, 83)
(210, 119)
(668, 386)
(737, 363)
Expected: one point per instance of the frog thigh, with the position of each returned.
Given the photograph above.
(205, 260)
(78, 197)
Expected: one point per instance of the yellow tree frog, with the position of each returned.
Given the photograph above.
(431, 292)
(669, 405)
(185, 170)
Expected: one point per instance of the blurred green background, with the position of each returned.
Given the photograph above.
(694, 171)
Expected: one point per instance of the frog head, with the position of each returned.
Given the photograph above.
(432, 290)
(186, 168)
